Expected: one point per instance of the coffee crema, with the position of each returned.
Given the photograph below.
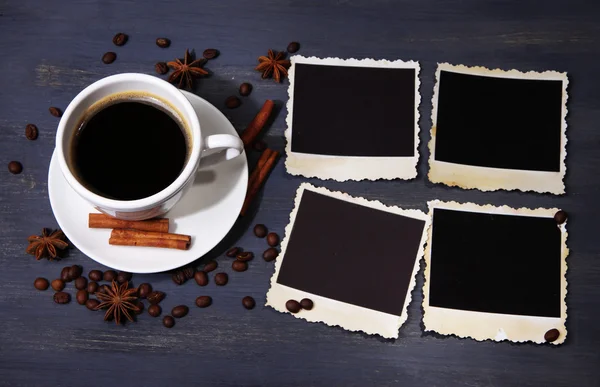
(129, 146)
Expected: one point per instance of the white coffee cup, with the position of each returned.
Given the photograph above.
(161, 202)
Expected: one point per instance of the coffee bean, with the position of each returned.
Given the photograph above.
(232, 252)
(306, 303)
(260, 145)
(293, 47)
(82, 296)
(154, 310)
(55, 111)
(210, 266)
(248, 302)
(103, 289)
(210, 53)
(109, 57)
(92, 304)
(273, 239)
(31, 132)
(120, 39)
(203, 301)
(161, 68)
(239, 265)
(121, 279)
(65, 274)
(144, 290)
(125, 275)
(260, 230)
(95, 275)
(189, 272)
(81, 283)
(221, 279)
(139, 307)
(163, 42)
(92, 287)
(178, 277)
(41, 283)
(168, 322)
(109, 275)
(180, 311)
(245, 256)
(62, 297)
(75, 272)
(293, 306)
(552, 335)
(560, 217)
(15, 167)
(58, 284)
(270, 254)
(245, 89)
(232, 102)
(201, 278)
(155, 297)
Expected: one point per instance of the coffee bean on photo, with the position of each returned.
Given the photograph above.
(239, 266)
(180, 311)
(560, 217)
(221, 279)
(306, 303)
(210, 53)
(155, 297)
(92, 287)
(139, 307)
(109, 275)
(124, 276)
(245, 256)
(144, 289)
(41, 283)
(55, 111)
(168, 322)
(232, 252)
(260, 230)
(103, 289)
(293, 47)
(203, 301)
(248, 302)
(210, 266)
(65, 274)
(293, 306)
(245, 89)
(15, 167)
(201, 278)
(58, 284)
(31, 132)
(109, 57)
(75, 272)
(120, 39)
(178, 277)
(95, 275)
(81, 283)
(552, 335)
(270, 254)
(272, 239)
(62, 297)
(233, 102)
(82, 296)
(154, 310)
(189, 272)
(92, 304)
(163, 42)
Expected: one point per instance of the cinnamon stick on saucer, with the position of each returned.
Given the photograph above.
(259, 176)
(258, 123)
(120, 237)
(105, 221)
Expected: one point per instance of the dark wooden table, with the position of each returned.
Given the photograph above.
(50, 50)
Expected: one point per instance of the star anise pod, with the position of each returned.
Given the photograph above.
(273, 65)
(187, 70)
(119, 300)
(45, 245)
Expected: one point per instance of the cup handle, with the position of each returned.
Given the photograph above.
(219, 148)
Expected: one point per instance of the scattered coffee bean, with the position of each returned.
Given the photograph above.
(273, 239)
(109, 275)
(178, 277)
(92, 287)
(103, 289)
(58, 285)
(75, 272)
(161, 68)
(260, 230)
(232, 252)
(154, 310)
(15, 167)
(109, 57)
(306, 303)
(248, 302)
(62, 297)
(293, 306)
(259, 145)
(55, 111)
(210, 266)
(221, 279)
(41, 283)
(92, 304)
(139, 307)
(245, 89)
(168, 322)
(293, 47)
(31, 132)
(95, 275)
(552, 335)
(163, 42)
(144, 290)
(155, 297)
(180, 311)
(124, 275)
(232, 102)
(65, 274)
(210, 53)
(203, 301)
(82, 296)
(239, 265)
(270, 254)
(201, 278)
(560, 217)
(81, 283)
(120, 39)
(189, 272)
(245, 256)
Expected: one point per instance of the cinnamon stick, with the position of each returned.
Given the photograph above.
(261, 162)
(105, 221)
(254, 128)
(137, 234)
(261, 176)
(150, 242)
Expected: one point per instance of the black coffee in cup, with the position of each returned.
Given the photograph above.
(129, 146)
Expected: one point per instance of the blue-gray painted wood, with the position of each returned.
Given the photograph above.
(50, 50)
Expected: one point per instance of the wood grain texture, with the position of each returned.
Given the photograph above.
(51, 50)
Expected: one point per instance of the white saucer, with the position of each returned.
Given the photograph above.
(206, 212)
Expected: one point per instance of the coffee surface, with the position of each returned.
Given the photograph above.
(129, 150)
